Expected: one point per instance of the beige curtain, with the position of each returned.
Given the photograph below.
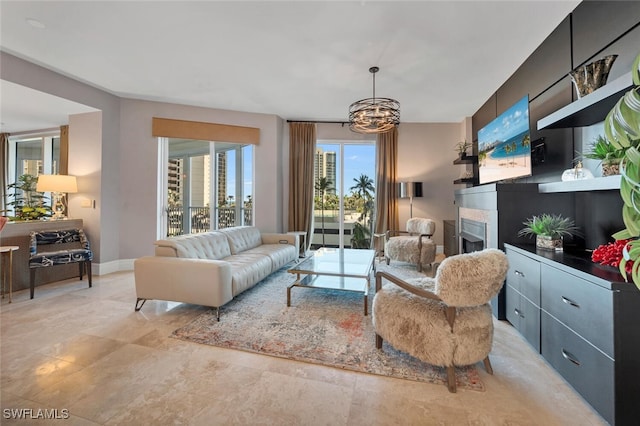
(63, 168)
(386, 181)
(4, 177)
(302, 147)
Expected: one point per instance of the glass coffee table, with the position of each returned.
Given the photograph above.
(335, 269)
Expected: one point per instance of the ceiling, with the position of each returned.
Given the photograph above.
(299, 60)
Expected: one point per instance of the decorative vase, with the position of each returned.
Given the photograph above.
(610, 169)
(590, 77)
(546, 242)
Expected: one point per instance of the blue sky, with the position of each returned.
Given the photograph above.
(513, 121)
(360, 159)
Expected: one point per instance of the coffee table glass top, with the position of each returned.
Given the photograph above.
(354, 263)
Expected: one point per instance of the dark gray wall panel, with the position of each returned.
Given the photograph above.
(598, 23)
(558, 142)
(593, 215)
(547, 64)
(482, 117)
(627, 48)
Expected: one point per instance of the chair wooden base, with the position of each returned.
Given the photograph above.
(451, 374)
(451, 370)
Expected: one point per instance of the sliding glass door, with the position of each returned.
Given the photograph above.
(344, 194)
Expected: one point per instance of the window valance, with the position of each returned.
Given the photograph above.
(198, 130)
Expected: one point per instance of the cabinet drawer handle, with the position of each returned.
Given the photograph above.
(518, 313)
(518, 273)
(570, 302)
(569, 356)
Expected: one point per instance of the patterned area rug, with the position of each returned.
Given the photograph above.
(322, 326)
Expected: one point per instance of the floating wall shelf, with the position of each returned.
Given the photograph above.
(595, 184)
(589, 110)
(471, 180)
(467, 159)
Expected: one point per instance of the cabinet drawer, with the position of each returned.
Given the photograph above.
(524, 316)
(530, 324)
(587, 369)
(513, 306)
(582, 306)
(524, 276)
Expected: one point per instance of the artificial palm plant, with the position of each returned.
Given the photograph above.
(548, 225)
(608, 154)
(28, 203)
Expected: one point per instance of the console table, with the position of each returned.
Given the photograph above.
(583, 319)
(17, 234)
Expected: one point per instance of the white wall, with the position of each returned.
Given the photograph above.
(85, 162)
(139, 168)
(425, 154)
(106, 183)
(115, 156)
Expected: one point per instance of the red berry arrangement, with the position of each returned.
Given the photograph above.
(611, 254)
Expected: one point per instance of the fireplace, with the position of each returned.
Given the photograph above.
(473, 235)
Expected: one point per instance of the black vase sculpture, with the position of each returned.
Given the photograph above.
(590, 77)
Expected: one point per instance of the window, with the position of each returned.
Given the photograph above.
(34, 155)
(201, 194)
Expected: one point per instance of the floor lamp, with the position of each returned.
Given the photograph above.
(410, 190)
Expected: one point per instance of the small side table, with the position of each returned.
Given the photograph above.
(7, 271)
(378, 245)
(302, 237)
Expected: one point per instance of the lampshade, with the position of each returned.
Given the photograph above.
(57, 183)
(410, 189)
(374, 115)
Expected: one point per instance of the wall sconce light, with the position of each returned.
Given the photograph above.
(59, 186)
(410, 190)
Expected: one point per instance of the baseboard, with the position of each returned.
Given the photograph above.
(113, 266)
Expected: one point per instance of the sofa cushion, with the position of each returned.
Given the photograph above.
(242, 238)
(206, 245)
(280, 254)
(247, 269)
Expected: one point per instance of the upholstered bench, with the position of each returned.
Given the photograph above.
(64, 247)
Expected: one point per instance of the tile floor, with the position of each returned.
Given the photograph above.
(86, 352)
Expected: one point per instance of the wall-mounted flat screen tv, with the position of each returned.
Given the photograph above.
(504, 145)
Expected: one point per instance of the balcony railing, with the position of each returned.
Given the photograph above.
(200, 219)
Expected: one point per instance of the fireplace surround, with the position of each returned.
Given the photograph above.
(490, 215)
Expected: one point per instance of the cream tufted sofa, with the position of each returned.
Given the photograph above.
(211, 268)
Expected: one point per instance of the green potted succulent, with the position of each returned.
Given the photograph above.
(549, 230)
(462, 147)
(622, 130)
(608, 154)
(28, 203)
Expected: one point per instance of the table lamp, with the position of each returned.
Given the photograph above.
(59, 186)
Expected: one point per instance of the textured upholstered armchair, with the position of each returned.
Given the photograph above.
(50, 248)
(413, 245)
(446, 320)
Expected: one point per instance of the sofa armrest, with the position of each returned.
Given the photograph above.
(198, 281)
(272, 238)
